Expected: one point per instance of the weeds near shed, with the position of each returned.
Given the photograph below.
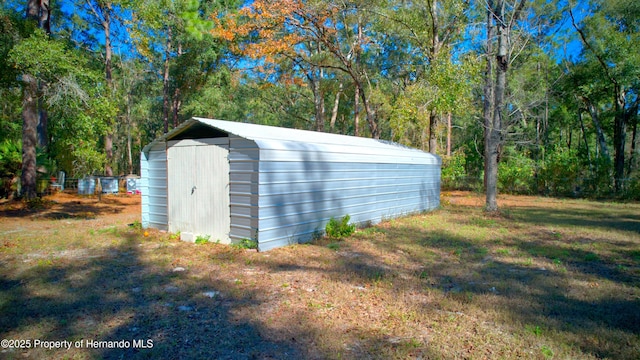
(246, 244)
(136, 225)
(334, 246)
(339, 229)
(202, 239)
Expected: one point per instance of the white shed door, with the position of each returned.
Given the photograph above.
(198, 182)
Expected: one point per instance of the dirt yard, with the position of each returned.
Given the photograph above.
(548, 278)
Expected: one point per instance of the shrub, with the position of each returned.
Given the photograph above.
(516, 173)
(10, 158)
(338, 229)
(599, 181)
(246, 244)
(560, 172)
(453, 171)
(202, 239)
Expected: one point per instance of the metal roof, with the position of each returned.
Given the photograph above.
(278, 138)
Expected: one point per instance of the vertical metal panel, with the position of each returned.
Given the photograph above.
(199, 187)
(212, 209)
(153, 169)
(181, 165)
(243, 188)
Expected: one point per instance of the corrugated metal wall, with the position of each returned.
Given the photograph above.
(243, 188)
(301, 192)
(153, 171)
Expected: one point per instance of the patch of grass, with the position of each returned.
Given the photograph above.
(635, 255)
(369, 231)
(108, 230)
(534, 329)
(335, 246)
(591, 257)
(136, 225)
(202, 239)
(546, 352)
(246, 244)
(483, 222)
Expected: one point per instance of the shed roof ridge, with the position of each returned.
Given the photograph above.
(220, 125)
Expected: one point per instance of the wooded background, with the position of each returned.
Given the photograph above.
(517, 96)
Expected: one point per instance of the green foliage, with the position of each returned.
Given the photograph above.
(136, 225)
(598, 181)
(405, 77)
(339, 229)
(10, 158)
(10, 165)
(516, 173)
(632, 191)
(334, 246)
(47, 59)
(453, 171)
(246, 244)
(560, 172)
(201, 239)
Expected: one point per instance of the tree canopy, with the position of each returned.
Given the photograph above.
(516, 96)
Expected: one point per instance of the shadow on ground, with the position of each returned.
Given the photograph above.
(52, 210)
(543, 301)
(115, 296)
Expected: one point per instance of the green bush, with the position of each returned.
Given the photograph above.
(453, 171)
(338, 229)
(246, 244)
(10, 158)
(560, 172)
(200, 239)
(599, 181)
(632, 190)
(516, 174)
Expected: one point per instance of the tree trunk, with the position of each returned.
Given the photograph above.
(602, 143)
(177, 104)
(449, 134)
(371, 116)
(30, 114)
(318, 98)
(356, 110)
(584, 137)
(177, 99)
(165, 82)
(619, 138)
(108, 141)
(633, 121)
(493, 140)
(334, 111)
(433, 123)
(495, 129)
(129, 140)
(487, 110)
(44, 22)
(29, 136)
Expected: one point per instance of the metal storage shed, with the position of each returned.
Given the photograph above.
(278, 186)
